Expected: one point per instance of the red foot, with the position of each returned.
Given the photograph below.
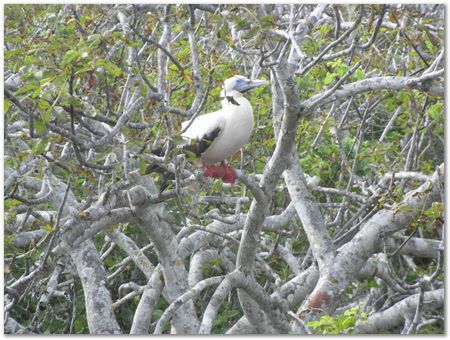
(227, 174)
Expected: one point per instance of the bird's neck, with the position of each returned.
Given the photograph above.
(230, 93)
(231, 97)
(233, 93)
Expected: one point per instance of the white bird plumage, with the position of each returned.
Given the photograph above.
(229, 128)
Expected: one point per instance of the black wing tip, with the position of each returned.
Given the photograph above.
(198, 147)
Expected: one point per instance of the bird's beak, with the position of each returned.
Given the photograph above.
(243, 86)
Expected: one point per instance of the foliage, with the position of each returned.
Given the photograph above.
(226, 317)
(77, 77)
(341, 324)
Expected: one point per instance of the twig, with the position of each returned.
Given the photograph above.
(200, 106)
(162, 48)
(330, 46)
(57, 223)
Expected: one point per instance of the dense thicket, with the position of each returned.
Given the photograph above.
(335, 224)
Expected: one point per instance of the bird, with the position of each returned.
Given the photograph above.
(218, 135)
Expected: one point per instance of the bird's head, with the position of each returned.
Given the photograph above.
(239, 84)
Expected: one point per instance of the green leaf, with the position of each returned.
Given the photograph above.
(109, 67)
(348, 322)
(59, 81)
(324, 29)
(350, 312)
(371, 283)
(40, 146)
(342, 69)
(6, 105)
(157, 313)
(359, 74)
(224, 317)
(9, 240)
(27, 88)
(49, 228)
(217, 186)
(70, 56)
(43, 105)
(224, 29)
(84, 69)
(11, 203)
(76, 102)
(329, 78)
(13, 53)
(436, 110)
(46, 116)
(215, 92)
(190, 155)
(435, 211)
(251, 33)
(83, 20)
(314, 324)
(326, 319)
(40, 126)
(142, 166)
(216, 261)
(242, 24)
(267, 21)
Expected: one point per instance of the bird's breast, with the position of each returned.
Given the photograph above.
(236, 132)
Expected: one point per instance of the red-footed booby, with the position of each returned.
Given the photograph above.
(218, 135)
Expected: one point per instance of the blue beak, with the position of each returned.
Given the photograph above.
(243, 86)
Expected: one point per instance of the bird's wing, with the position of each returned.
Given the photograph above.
(203, 130)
